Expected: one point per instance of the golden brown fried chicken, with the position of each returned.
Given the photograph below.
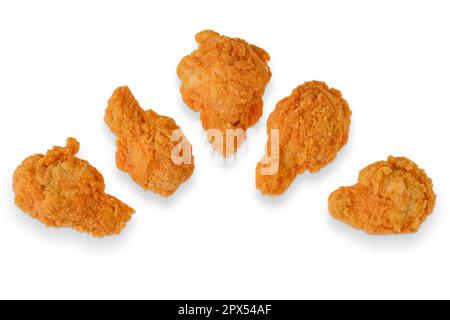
(306, 131)
(225, 80)
(62, 190)
(150, 148)
(391, 197)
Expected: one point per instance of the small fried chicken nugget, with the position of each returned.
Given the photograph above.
(62, 190)
(150, 148)
(225, 80)
(391, 197)
(306, 131)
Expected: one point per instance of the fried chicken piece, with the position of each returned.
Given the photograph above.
(62, 190)
(306, 131)
(391, 197)
(150, 148)
(225, 80)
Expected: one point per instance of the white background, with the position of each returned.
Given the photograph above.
(218, 237)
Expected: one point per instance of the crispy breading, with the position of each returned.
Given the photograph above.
(310, 127)
(150, 148)
(391, 197)
(62, 190)
(225, 80)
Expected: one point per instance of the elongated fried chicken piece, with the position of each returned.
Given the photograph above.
(62, 190)
(306, 131)
(225, 80)
(391, 197)
(150, 148)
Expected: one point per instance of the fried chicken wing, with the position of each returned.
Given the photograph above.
(306, 131)
(391, 197)
(225, 80)
(62, 190)
(150, 148)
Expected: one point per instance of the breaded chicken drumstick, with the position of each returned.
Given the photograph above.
(62, 190)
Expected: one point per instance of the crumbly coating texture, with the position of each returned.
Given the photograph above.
(62, 190)
(145, 144)
(313, 125)
(391, 197)
(225, 80)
